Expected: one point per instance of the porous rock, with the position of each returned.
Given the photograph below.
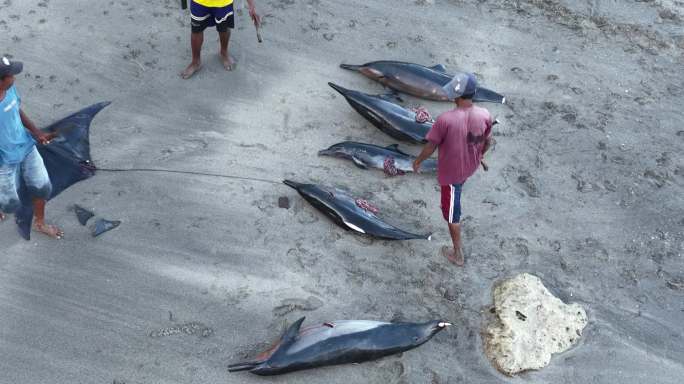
(529, 324)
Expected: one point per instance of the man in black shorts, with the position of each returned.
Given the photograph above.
(206, 13)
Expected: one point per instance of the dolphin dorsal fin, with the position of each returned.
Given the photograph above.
(439, 68)
(392, 97)
(395, 148)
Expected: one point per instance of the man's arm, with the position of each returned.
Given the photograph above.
(427, 151)
(487, 144)
(42, 138)
(252, 13)
(488, 136)
(434, 137)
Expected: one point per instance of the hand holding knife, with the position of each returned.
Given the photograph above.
(256, 19)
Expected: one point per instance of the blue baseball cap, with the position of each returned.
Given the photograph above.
(8, 67)
(463, 84)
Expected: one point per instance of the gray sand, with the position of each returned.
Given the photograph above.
(585, 189)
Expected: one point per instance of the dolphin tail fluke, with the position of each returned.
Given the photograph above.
(487, 95)
(245, 366)
(351, 67)
(292, 184)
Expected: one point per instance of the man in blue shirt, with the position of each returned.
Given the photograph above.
(18, 153)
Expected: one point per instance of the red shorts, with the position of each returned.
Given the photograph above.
(451, 202)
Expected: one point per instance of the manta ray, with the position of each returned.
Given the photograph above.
(67, 160)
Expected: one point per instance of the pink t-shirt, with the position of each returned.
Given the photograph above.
(460, 136)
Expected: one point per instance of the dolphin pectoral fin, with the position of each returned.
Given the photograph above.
(359, 163)
(353, 227)
(439, 68)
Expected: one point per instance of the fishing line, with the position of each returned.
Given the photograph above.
(195, 173)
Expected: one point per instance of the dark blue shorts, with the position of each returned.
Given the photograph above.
(202, 17)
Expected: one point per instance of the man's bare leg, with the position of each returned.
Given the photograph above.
(196, 40)
(455, 255)
(2, 216)
(226, 59)
(39, 221)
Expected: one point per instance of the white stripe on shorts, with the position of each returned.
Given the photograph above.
(200, 18)
(224, 19)
(451, 204)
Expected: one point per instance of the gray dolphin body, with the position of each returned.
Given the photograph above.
(338, 342)
(417, 80)
(389, 117)
(345, 212)
(373, 156)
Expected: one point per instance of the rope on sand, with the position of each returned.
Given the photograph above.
(195, 173)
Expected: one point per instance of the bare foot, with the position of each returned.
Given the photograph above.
(228, 61)
(190, 70)
(2, 216)
(49, 230)
(454, 256)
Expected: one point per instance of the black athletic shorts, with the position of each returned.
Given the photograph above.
(202, 17)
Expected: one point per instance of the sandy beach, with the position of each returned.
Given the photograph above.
(584, 189)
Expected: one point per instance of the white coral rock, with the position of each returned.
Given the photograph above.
(530, 325)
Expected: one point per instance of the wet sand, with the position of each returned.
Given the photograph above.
(584, 190)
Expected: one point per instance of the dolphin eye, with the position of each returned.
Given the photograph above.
(415, 338)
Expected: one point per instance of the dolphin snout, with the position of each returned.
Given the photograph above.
(326, 152)
(292, 184)
(351, 67)
(336, 87)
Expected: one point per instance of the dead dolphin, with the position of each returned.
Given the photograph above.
(417, 80)
(338, 342)
(389, 117)
(348, 213)
(390, 159)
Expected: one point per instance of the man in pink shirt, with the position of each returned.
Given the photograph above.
(462, 135)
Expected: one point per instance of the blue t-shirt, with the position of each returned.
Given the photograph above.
(15, 140)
